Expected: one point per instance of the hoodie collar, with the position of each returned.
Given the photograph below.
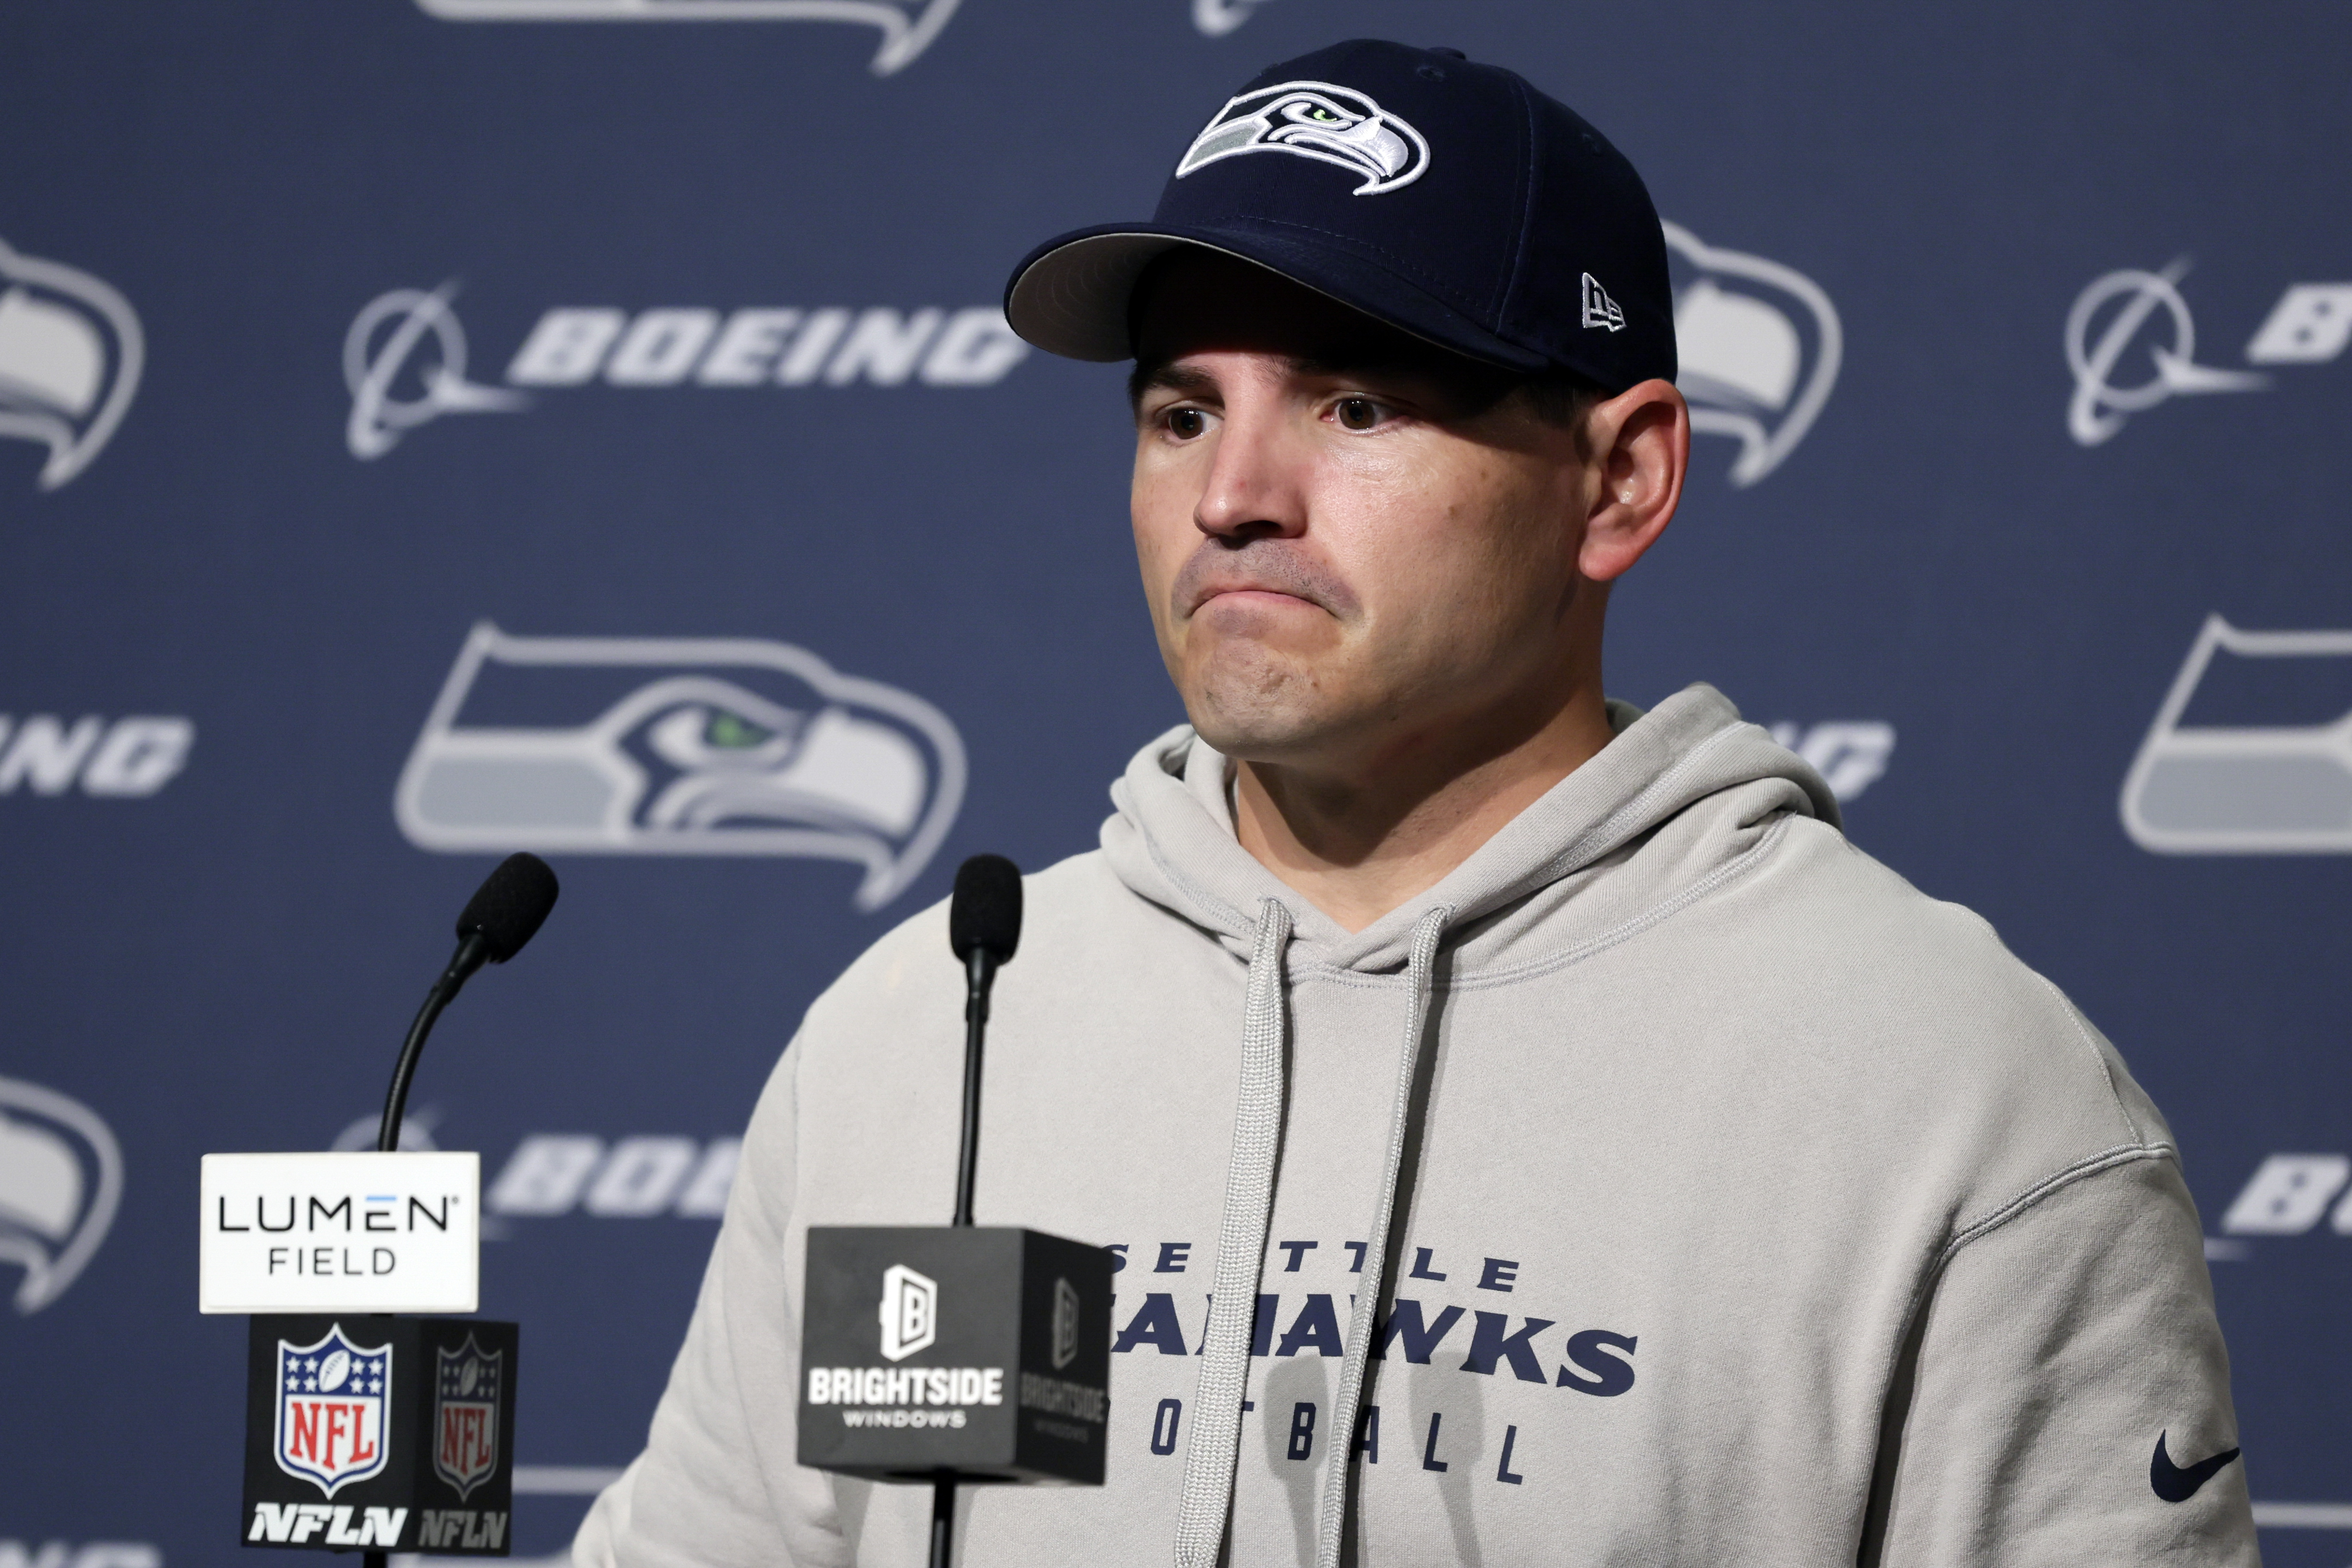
(1172, 839)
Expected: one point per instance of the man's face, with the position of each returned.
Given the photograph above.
(1348, 540)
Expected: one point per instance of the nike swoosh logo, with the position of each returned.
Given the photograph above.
(2175, 1483)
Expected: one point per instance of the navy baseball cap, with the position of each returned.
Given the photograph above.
(1447, 199)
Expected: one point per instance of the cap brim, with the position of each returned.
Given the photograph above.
(1071, 295)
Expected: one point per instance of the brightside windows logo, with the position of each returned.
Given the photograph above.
(910, 1312)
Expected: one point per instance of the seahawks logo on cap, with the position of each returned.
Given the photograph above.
(1314, 119)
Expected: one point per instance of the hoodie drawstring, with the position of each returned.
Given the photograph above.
(1208, 1495)
(1241, 1250)
(1338, 1466)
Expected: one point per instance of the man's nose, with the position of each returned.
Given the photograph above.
(1255, 486)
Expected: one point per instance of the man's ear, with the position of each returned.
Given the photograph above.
(1640, 442)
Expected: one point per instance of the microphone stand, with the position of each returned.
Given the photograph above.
(980, 973)
(472, 953)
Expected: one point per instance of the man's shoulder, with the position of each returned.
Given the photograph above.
(1070, 911)
(1823, 902)
(1910, 997)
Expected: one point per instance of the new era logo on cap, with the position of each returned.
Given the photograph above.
(1499, 211)
(1599, 309)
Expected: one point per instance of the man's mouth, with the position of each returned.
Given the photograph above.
(1247, 593)
(1263, 572)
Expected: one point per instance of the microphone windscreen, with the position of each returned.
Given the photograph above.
(511, 905)
(985, 912)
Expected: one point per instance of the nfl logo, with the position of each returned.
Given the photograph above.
(466, 1414)
(333, 1397)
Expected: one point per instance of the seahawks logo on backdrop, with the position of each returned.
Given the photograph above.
(908, 26)
(680, 747)
(1760, 344)
(60, 1182)
(2251, 752)
(1314, 120)
(70, 354)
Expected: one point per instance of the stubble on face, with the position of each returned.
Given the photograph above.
(1394, 581)
(1250, 666)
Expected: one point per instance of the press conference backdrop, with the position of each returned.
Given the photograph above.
(434, 429)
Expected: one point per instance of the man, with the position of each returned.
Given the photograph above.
(1530, 1132)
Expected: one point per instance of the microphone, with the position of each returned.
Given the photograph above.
(366, 1430)
(509, 906)
(984, 929)
(993, 1358)
(984, 916)
(505, 912)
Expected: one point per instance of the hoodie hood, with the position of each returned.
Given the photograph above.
(1172, 839)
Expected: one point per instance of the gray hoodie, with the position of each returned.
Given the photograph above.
(1734, 1202)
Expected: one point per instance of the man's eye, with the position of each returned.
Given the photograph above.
(1186, 423)
(1357, 413)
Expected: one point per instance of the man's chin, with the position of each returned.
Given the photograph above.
(1271, 733)
(1260, 702)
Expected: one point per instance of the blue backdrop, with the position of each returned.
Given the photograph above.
(434, 428)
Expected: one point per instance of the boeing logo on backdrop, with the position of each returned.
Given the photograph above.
(680, 747)
(2099, 407)
(382, 345)
(126, 759)
(60, 1182)
(2289, 1194)
(2220, 773)
(1760, 344)
(2131, 308)
(405, 354)
(71, 354)
(550, 1174)
(908, 26)
(1851, 754)
(90, 1555)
